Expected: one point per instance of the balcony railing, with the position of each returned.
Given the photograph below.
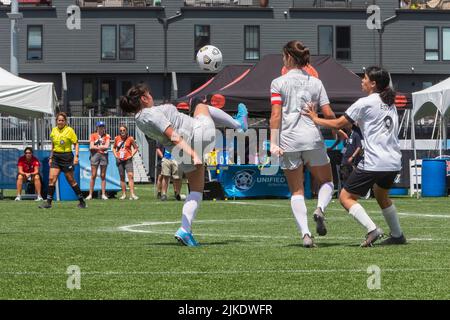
(28, 2)
(118, 3)
(221, 3)
(350, 4)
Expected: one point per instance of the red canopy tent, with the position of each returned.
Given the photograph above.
(226, 77)
(343, 86)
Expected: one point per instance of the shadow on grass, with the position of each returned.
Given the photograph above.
(202, 244)
(319, 245)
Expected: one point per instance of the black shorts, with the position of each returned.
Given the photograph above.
(361, 181)
(345, 170)
(62, 161)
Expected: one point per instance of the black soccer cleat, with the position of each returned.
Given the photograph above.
(319, 218)
(45, 205)
(82, 205)
(371, 237)
(393, 240)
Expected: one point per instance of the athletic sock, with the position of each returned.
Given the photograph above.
(391, 217)
(299, 210)
(76, 189)
(325, 194)
(50, 192)
(221, 118)
(190, 208)
(360, 215)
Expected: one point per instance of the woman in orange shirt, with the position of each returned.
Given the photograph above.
(124, 150)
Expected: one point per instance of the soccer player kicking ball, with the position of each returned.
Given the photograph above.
(377, 118)
(187, 138)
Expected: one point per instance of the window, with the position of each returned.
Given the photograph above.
(108, 93)
(326, 40)
(251, 36)
(89, 93)
(343, 43)
(126, 42)
(202, 37)
(431, 43)
(109, 42)
(445, 43)
(34, 43)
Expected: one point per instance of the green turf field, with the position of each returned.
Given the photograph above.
(250, 250)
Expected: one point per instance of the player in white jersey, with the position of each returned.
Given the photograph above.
(188, 139)
(297, 139)
(377, 118)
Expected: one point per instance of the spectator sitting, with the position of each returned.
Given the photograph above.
(28, 170)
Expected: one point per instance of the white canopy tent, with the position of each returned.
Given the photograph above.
(26, 99)
(431, 101)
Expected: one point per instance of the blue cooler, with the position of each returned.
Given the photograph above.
(66, 192)
(398, 192)
(434, 176)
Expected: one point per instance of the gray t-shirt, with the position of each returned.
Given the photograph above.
(155, 120)
(379, 126)
(293, 91)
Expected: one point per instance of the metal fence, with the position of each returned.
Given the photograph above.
(18, 131)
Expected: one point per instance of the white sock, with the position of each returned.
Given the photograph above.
(190, 208)
(360, 215)
(221, 118)
(299, 210)
(325, 194)
(391, 217)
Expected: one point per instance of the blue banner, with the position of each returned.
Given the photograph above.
(8, 170)
(242, 181)
(112, 172)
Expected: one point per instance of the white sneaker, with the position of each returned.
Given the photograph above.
(123, 197)
(104, 197)
(39, 198)
(134, 197)
(18, 198)
(89, 197)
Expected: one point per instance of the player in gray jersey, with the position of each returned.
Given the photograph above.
(297, 139)
(188, 140)
(377, 118)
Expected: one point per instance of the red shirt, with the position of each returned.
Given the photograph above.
(28, 167)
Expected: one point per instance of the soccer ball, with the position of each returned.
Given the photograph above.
(209, 58)
(243, 180)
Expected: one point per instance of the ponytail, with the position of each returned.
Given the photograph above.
(298, 51)
(131, 102)
(382, 80)
(388, 95)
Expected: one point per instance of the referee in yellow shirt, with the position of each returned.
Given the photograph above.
(62, 159)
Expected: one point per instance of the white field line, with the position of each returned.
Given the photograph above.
(136, 229)
(338, 209)
(219, 272)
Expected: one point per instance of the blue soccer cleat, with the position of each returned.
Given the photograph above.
(242, 116)
(186, 238)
